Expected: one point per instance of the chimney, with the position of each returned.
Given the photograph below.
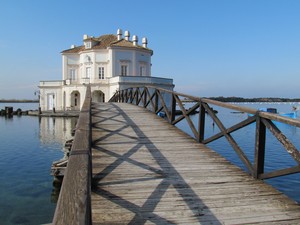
(127, 35)
(135, 40)
(85, 36)
(73, 46)
(119, 34)
(144, 42)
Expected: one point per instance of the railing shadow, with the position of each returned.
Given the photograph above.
(166, 174)
(170, 104)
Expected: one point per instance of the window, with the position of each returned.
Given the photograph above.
(88, 45)
(123, 70)
(72, 74)
(88, 72)
(101, 73)
(142, 71)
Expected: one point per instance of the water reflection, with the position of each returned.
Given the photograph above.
(55, 192)
(55, 130)
(28, 147)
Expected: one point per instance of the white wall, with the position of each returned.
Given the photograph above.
(124, 56)
(102, 56)
(145, 59)
(57, 92)
(134, 59)
(73, 59)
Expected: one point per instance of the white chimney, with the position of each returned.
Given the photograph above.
(73, 46)
(144, 42)
(127, 35)
(135, 40)
(85, 36)
(119, 34)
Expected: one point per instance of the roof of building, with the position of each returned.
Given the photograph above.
(106, 41)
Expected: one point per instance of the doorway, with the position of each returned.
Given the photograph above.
(75, 100)
(98, 96)
(50, 101)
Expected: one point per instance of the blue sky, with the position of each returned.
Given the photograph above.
(246, 48)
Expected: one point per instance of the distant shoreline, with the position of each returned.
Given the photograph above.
(248, 100)
(266, 100)
(18, 101)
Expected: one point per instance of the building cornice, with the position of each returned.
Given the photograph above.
(146, 50)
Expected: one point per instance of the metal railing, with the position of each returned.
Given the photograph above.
(160, 100)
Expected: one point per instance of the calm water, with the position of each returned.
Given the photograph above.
(276, 156)
(28, 147)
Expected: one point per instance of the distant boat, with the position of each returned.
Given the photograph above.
(274, 110)
(161, 114)
(290, 115)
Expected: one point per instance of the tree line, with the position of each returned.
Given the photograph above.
(240, 99)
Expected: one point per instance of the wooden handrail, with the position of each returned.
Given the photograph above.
(74, 203)
(153, 98)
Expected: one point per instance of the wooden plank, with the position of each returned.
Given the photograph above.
(290, 148)
(74, 203)
(260, 142)
(146, 171)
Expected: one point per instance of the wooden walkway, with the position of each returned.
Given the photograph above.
(146, 171)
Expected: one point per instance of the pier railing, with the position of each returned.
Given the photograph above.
(171, 104)
(74, 203)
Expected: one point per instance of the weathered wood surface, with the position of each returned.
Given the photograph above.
(74, 203)
(146, 171)
(143, 96)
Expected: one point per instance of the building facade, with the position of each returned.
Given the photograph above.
(108, 63)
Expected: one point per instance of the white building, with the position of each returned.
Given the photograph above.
(109, 63)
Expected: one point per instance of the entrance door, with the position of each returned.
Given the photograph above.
(98, 96)
(50, 101)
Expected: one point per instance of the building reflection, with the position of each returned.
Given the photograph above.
(56, 130)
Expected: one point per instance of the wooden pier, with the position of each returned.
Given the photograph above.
(146, 171)
(129, 166)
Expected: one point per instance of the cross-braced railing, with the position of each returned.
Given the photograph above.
(171, 104)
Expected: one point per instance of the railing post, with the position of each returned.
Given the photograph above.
(260, 142)
(126, 95)
(117, 96)
(201, 123)
(173, 108)
(122, 95)
(145, 96)
(131, 96)
(137, 96)
(156, 101)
